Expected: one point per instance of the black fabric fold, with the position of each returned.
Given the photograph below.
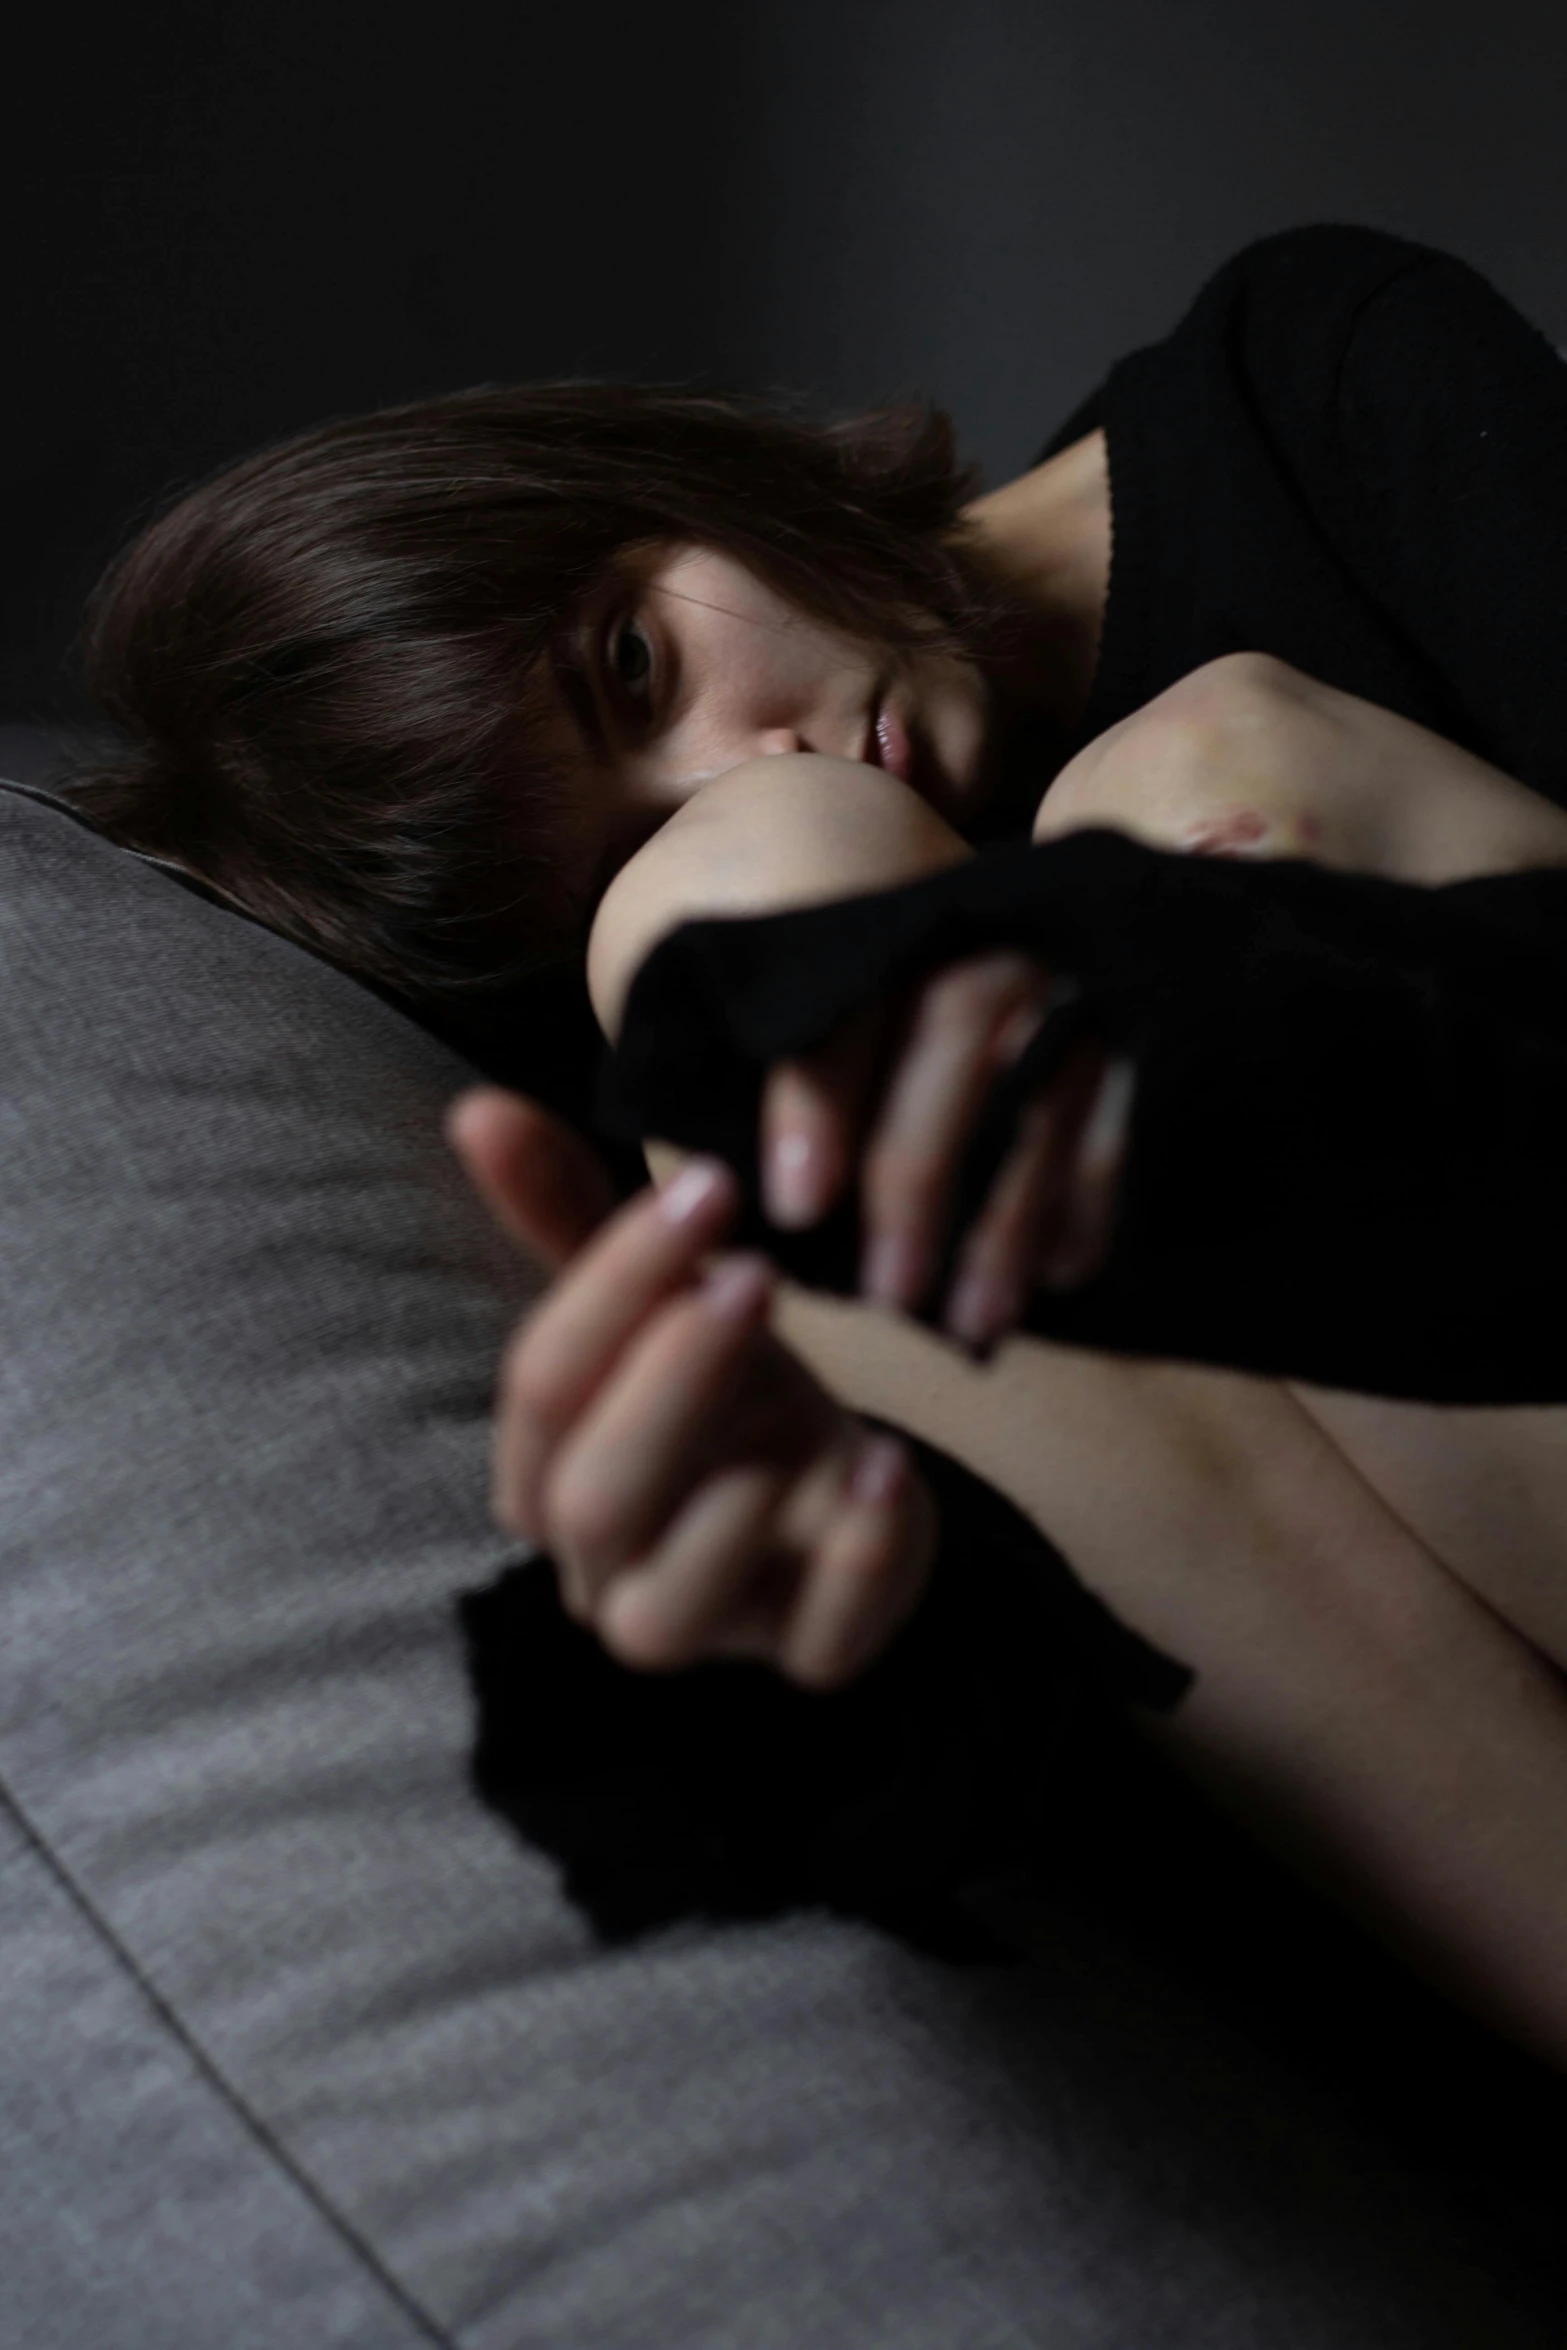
(1351, 453)
(1348, 1147)
(1347, 1153)
(726, 1792)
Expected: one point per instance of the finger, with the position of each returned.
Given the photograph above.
(966, 1025)
(644, 1441)
(563, 1351)
(544, 1185)
(691, 1594)
(1025, 1213)
(1079, 1249)
(868, 1573)
(815, 1110)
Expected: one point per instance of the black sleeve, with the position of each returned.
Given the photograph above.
(724, 1791)
(1350, 452)
(1451, 416)
(1348, 1154)
(1421, 424)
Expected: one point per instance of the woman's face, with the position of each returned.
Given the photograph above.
(694, 665)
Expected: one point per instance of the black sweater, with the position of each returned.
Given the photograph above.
(1350, 1137)
(1348, 1142)
(1350, 453)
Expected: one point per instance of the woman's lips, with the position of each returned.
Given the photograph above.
(889, 745)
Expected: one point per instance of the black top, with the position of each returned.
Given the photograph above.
(1351, 453)
(1349, 1143)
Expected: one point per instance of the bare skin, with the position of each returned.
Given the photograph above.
(1048, 535)
(700, 1490)
(1357, 1695)
(1366, 1600)
(692, 667)
(1243, 758)
(1247, 754)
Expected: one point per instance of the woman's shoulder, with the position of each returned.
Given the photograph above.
(1294, 289)
(1311, 290)
(1284, 310)
(1329, 340)
(1330, 258)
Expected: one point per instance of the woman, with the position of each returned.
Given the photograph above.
(1372, 1596)
(338, 744)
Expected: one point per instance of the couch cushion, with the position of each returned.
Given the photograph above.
(297, 2044)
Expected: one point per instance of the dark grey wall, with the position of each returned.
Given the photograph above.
(991, 199)
(229, 219)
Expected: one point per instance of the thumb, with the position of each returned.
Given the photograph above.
(544, 1185)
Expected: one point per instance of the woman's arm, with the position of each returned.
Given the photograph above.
(1356, 1706)
(1246, 757)
(799, 832)
(1349, 1128)
(1444, 469)
(698, 1491)
(1353, 1699)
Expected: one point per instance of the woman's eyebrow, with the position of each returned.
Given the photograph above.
(706, 604)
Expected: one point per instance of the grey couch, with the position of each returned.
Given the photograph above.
(299, 2048)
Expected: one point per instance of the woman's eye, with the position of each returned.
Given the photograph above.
(631, 659)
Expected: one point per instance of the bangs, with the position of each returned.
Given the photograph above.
(349, 674)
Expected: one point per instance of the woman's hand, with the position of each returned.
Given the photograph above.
(699, 1492)
(1245, 757)
(1237, 759)
(896, 1093)
(899, 1087)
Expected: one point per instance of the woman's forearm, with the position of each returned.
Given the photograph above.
(1366, 1715)
(1364, 1709)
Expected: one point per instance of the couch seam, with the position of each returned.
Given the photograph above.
(212, 2073)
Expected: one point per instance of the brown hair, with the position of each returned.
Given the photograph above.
(331, 668)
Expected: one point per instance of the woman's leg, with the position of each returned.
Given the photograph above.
(1370, 1717)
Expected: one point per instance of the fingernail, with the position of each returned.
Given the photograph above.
(1080, 1247)
(1104, 1133)
(735, 1288)
(692, 1190)
(879, 1471)
(889, 1272)
(792, 1180)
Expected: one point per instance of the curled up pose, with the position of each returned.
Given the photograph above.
(468, 694)
(1372, 1595)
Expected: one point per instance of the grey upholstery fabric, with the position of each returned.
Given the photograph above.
(297, 2047)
